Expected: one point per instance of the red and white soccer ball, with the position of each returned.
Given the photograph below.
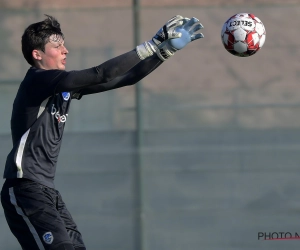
(243, 34)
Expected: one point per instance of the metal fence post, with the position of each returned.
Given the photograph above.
(138, 170)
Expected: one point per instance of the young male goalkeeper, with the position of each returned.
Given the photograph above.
(34, 209)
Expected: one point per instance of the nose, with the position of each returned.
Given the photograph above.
(64, 50)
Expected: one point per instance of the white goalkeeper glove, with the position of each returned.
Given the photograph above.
(173, 36)
(188, 34)
(148, 48)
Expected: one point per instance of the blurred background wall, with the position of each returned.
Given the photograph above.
(219, 158)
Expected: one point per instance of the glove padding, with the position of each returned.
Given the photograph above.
(168, 31)
(173, 36)
(188, 34)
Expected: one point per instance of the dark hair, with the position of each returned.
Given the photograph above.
(36, 36)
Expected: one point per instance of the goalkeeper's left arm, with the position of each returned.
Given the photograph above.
(186, 33)
(131, 77)
(132, 66)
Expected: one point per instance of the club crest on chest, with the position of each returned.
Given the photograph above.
(66, 95)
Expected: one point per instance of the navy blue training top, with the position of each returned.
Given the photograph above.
(40, 110)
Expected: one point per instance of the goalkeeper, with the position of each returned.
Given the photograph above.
(34, 209)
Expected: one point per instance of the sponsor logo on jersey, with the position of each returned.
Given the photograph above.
(48, 238)
(66, 95)
(59, 118)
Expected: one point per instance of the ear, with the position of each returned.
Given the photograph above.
(36, 54)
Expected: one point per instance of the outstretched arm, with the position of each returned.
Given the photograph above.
(100, 74)
(117, 66)
(131, 77)
(126, 69)
(188, 32)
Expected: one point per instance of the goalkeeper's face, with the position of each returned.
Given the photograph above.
(54, 55)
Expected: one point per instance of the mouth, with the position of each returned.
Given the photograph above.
(64, 61)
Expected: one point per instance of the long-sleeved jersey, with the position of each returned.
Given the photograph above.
(40, 110)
